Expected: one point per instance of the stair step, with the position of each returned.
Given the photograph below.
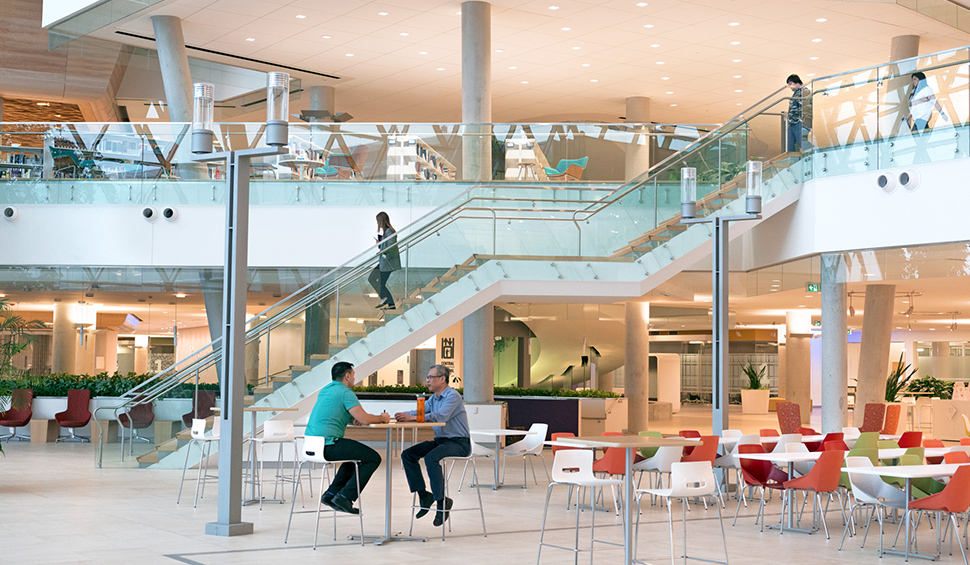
(148, 458)
(170, 445)
(283, 379)
(184, 435)
(430, 289)
(249, 400)
(319, 356)
(263, 390)
(374, 323)
(412, 301)
(304, 368)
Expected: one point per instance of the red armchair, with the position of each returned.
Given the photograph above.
(139, 417)
(203, 401)
(14, 418)
(77, 414)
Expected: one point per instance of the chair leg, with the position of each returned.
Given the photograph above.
(185, 467)
(292, 504)
(478, 490)
(720, 520)
(542, 528)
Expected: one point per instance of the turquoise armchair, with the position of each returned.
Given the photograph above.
(568, 169)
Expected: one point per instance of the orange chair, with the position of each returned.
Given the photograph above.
(811, 445)
(613, 464)
(823, 478)
(706, 451)
(965, 441)
(689, 434)
(758, 474)
(873, 418)
(953, 499)
(956, 457)
(768, 432)
(933, 443)
(891, 424)
(835, 438)
(556, 436)
(789, 417)
(910, 439)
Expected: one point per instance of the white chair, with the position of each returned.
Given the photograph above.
(312, 452)
(730, 461)
(470, 458)
(872, 491)
(204, 441)
(800, 467)
(660, 464)
(278, 433)
(687, 480)
(784, 440)
(732, 433)
(850, 435)
(531, 446)
(574, 468)
(478, 450)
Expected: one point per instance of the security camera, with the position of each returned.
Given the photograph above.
(11, 213)
(150, 213)
(170, 214)
(887, 182)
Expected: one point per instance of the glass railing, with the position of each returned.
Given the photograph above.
(879, 117)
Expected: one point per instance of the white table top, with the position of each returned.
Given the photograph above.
(908, 471)
(629, 441)
(502, 433)
(798, 457)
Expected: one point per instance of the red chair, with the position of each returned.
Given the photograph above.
(823, 478)
(807, 431)
(838, 445)
(14, 418)
(556, 436)
(910, 439)
(612, 463)
(768, 432)
(811, 445)
(758, 474)
(706, 451)
(789, 417)
(956, 457)
(933, 443)
(965, 441)
(836, 438)
(954, 499)
(139, 417)
(689, 434)
(873, 418)
(77, 414)
(891, 424)
(203, 401)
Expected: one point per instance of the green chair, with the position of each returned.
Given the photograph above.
(648, 452)
(567, 169)
(865, 446)
(921, 487)
(888, 444)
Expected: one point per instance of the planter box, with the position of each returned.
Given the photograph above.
(755, 401)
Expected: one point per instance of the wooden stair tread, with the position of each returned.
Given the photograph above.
(319, 356)
(148, 458)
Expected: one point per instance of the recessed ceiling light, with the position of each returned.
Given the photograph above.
(512, 68)
(405, 34)
(735, 60)
(325, 37)
(813, 58)
(300, 17)
(500, 50)
(654, 45)
(553, 7)
(524, 82)
(672, 105)
(641, 4)
(817, 40)
(648, 26)
(810, 74)
(576, 48)
(734, 24)
(43, 103)
(738, 104)
(566, 28)
(348, 54)
(737, 76)
(593, 80)
(739, 90)
(250, 39)
(735, 43)
(664, 78)
(821, 20)
(441, 68)
(660, 62)
(669, 92)
(381, 13)
(422, 52)
(584, 65)
(180, 295)
(458, 13)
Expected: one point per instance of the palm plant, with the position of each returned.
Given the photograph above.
(754, 376)
(14, 337)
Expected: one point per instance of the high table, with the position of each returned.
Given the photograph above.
(628, 444)
(390, 427)
(303, 167)
(908, 472)
(496, 436)
(252, 448)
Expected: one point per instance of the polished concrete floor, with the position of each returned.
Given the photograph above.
(59, 508)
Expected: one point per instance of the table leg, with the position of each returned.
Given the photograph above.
(909, 494)
(388, 536)
(495, 463)
(628, 509)
(252, 463)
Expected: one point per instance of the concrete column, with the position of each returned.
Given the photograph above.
(941, 350)
(141, 359)
(903, 47)
(636, 380)
(877, 326)
(323, 98)
(252, 363)
(316, 332)
(476, 90)
(84, 360)
(525, 362)
(174, 64)
(64, 339)
(478, 354)
(835, 378)
(798, 361)
(638, 151)
(106, 350)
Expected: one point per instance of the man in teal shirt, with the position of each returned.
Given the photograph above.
(336, 406)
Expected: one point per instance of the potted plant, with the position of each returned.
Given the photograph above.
(754, 397)
(898, 379)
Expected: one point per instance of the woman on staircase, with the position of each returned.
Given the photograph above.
(388, 262)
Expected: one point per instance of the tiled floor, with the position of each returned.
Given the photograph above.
(58, 508)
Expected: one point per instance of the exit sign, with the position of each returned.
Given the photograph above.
(813, 287)
(817, 323)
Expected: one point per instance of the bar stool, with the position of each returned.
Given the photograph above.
(445, 461)
(275, 432)
(312, 452)
(204, 441)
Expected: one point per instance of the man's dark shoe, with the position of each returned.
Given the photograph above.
(340, 503)
(441, 516)
(426, 500)
(327, 499)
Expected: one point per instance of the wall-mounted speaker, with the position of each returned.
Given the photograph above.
(909, 179)
(11, 213)
(887, 182)
(150, 213)
(170, 214)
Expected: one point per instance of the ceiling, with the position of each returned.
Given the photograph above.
(697, 60)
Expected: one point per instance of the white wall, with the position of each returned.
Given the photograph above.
(56, 10)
